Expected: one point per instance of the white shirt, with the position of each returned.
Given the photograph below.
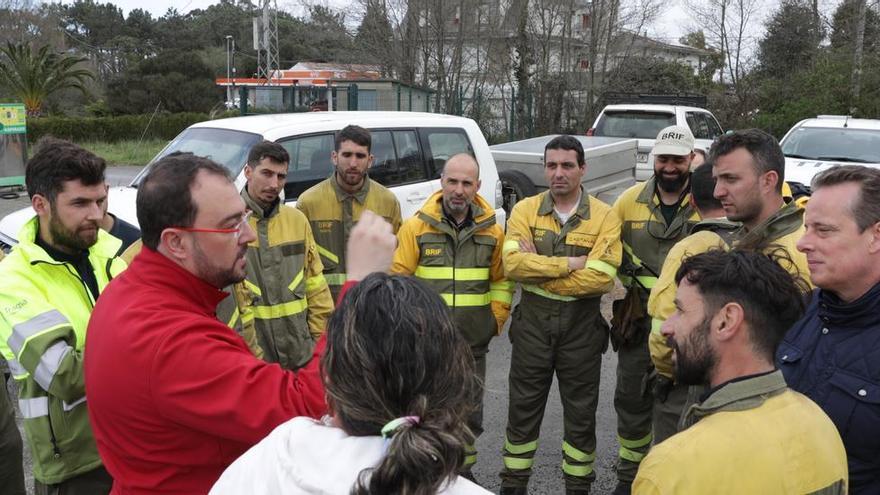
(304, 456)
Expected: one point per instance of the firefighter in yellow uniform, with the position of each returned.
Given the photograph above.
(714, 231)
(654, 215)
(454, 245)
(563, 247)
(334, 205)
(291, 298)
(749, 169)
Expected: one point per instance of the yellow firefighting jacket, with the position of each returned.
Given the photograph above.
(463, 265)
(333, 212)
(593, 230)
(646, 237)
(756, 436)
(708, 234)
(291, 299)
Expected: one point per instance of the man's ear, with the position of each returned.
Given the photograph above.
(41, 204)
(874, 243)
(174, 244)
(728, 321)
(769, 181)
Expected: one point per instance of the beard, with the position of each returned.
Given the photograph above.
(215, 275)
(84, 237)
(671, 185)
(350, 177)
(695, 359)
(747, 212)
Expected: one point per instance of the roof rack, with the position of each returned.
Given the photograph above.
(687, 99)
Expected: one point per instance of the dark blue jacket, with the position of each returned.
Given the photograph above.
(832, 355)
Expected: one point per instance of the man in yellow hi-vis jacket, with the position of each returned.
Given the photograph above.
(454, 245)
(713, 231)
(333, 206)
(563, 247)
(291, 299)
(654, 216)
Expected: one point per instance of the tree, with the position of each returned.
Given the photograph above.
(374, 36)
(792, 40)
(654, 75)
(175, 80)
(33, 77)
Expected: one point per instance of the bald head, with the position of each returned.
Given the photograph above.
(462, 163)
(460, 182)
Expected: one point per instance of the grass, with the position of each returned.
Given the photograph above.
(130, 152)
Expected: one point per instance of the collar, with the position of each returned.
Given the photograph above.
(714, 224)
(582, 210)
(784, 221)
(863, 310)
(106, 246)
(341, 195)
(160, 272)
(468, 219)
(255, 207)
(740, 394)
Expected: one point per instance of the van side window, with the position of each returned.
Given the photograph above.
(443, 144)
(698, 125)
(396, 158)
(712, 124)
(309, 162)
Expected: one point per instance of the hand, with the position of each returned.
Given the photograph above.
(527, 246)
(370, 246)
(576, 263)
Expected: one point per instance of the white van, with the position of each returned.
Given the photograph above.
(410, 149)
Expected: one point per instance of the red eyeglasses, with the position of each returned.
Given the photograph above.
(235, 231)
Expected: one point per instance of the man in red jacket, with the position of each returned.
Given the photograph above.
(175, 395)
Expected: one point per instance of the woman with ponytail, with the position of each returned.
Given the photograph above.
(398, 378)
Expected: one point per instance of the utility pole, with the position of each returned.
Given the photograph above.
(228, 70)
(266, 40)
(861, 6)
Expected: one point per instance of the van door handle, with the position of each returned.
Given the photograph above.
(416, 197)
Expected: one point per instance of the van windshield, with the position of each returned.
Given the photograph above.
(633, 124)
(226, 147)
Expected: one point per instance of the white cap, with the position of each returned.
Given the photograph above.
(674, 140)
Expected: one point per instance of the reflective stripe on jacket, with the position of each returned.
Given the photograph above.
(593, 230)
(645, 234)
(708, 234)
(755, 436)
(332, 213)
(464, 266)
(291, 299)
(44, 310)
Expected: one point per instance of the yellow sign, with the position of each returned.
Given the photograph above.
(12, 118)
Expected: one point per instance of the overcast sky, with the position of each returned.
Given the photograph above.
(671, 25)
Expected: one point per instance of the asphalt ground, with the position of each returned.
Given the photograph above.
(547, 477)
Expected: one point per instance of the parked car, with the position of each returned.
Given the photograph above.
(814, 145)
(645, 121)
(610, 167)
(410, 149)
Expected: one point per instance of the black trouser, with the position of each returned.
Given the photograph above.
(95, 482)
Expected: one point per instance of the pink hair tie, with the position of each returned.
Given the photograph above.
(392, 426)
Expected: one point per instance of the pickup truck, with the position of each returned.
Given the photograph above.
(410, 149)
(610, 167)
(645, 121)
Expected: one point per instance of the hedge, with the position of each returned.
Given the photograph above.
(114, 129)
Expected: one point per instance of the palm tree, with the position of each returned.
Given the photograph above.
(33, 77)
